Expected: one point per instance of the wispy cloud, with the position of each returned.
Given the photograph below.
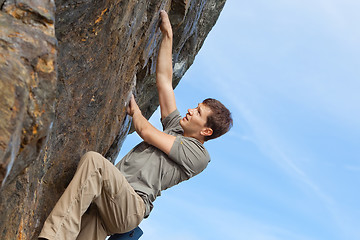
(285, 155)
(353, 168)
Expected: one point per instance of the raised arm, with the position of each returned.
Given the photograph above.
(164, 68)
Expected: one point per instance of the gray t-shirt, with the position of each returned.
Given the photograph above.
(149, 170)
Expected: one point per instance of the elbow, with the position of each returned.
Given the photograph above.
(144, 133)
(164, 76)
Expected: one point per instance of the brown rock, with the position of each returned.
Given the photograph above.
(105, 49)
(28, 81)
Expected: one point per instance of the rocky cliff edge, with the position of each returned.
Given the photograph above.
(67, 70)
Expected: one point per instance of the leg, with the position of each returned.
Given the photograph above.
(99, 181)
(119, 206)
(91, 225)
(65, 219)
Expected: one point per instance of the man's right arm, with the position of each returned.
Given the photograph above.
(164, 68)
(148, 132)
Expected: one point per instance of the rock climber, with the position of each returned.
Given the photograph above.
(103, 199)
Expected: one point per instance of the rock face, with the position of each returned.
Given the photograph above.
(66, 78)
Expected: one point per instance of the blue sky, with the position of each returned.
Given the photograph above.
(290, 167)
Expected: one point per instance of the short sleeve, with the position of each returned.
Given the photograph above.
(190, 155)
(172, 120)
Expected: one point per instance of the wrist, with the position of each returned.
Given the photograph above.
(168, 35)
(137, 112)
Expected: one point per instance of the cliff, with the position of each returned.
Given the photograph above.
(66, 78)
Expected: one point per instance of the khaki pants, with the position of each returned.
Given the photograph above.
(98, 202)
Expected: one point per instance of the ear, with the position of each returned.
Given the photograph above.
(206, 132)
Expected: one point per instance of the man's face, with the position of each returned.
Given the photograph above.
(194, 121)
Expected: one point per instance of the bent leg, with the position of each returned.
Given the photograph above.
(96, 180)
(65, 219)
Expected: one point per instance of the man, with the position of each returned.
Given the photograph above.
(101, 200)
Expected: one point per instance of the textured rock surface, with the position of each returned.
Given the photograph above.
(106, 50)
(28, 82)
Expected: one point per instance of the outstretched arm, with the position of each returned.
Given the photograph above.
(147, 131)
(164, 68)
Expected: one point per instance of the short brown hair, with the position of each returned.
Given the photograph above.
(220, 120)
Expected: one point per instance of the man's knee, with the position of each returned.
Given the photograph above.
(91, 157)
(92, 154)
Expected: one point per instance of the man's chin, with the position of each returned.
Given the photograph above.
(182, 122)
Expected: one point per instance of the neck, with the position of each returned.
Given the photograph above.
(199, 138)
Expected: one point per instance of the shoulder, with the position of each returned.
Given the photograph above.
(192, 143)
(196, 147)
(191, 152)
